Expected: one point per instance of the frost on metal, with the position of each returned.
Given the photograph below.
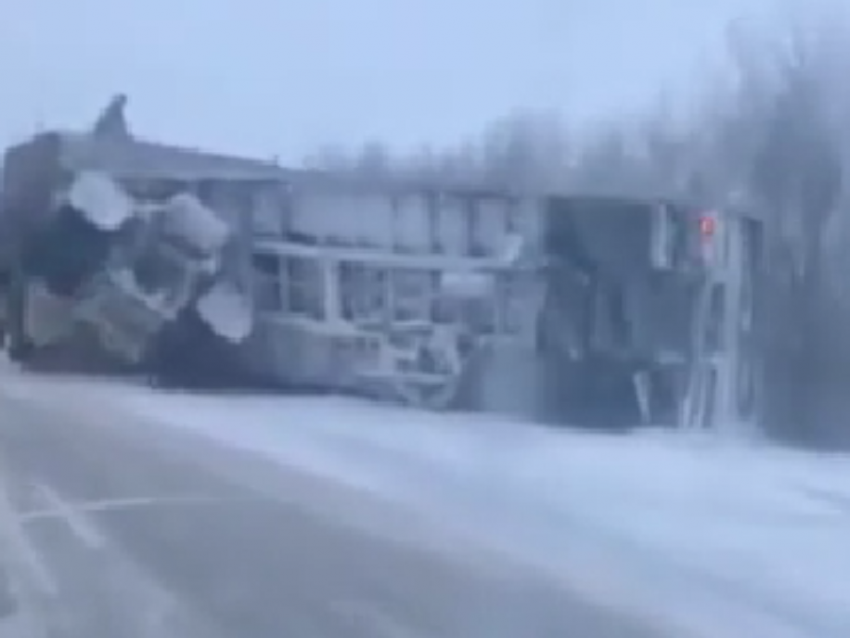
(227, 311)
(186, 219)
(103, 202)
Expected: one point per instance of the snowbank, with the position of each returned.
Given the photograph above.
(719, 538)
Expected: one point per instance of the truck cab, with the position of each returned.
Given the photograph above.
(647, 313)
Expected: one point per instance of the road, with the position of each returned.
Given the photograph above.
(133, 529)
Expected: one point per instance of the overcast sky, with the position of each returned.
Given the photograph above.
(285, 76)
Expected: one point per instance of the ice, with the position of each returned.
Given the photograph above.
(100, 199)
(227, 311)
(715, 537)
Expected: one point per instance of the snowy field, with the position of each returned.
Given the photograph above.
(719, 538)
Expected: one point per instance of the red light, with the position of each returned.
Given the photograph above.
(707, 225)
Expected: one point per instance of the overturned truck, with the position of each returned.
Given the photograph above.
(121, 253)
(104, 247)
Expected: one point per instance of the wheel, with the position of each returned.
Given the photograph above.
(430, 373)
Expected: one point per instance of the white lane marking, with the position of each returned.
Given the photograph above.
(22, 550)
(77, 521)
(379, 624)
(118, 504)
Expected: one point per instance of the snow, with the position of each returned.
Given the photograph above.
(714, 537)
(226, 310)
(102, 201)
(186, 217)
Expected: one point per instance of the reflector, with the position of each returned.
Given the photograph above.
(707, 225)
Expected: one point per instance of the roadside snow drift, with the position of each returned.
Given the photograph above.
(717, 538)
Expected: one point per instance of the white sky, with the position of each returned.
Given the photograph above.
(285, 76)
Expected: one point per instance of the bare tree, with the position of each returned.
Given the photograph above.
(779, 134)
(773, 138)
(332, 158)
(526, 149)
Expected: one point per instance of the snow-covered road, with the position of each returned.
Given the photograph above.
(706, 537)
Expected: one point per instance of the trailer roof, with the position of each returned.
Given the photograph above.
(133, 157)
